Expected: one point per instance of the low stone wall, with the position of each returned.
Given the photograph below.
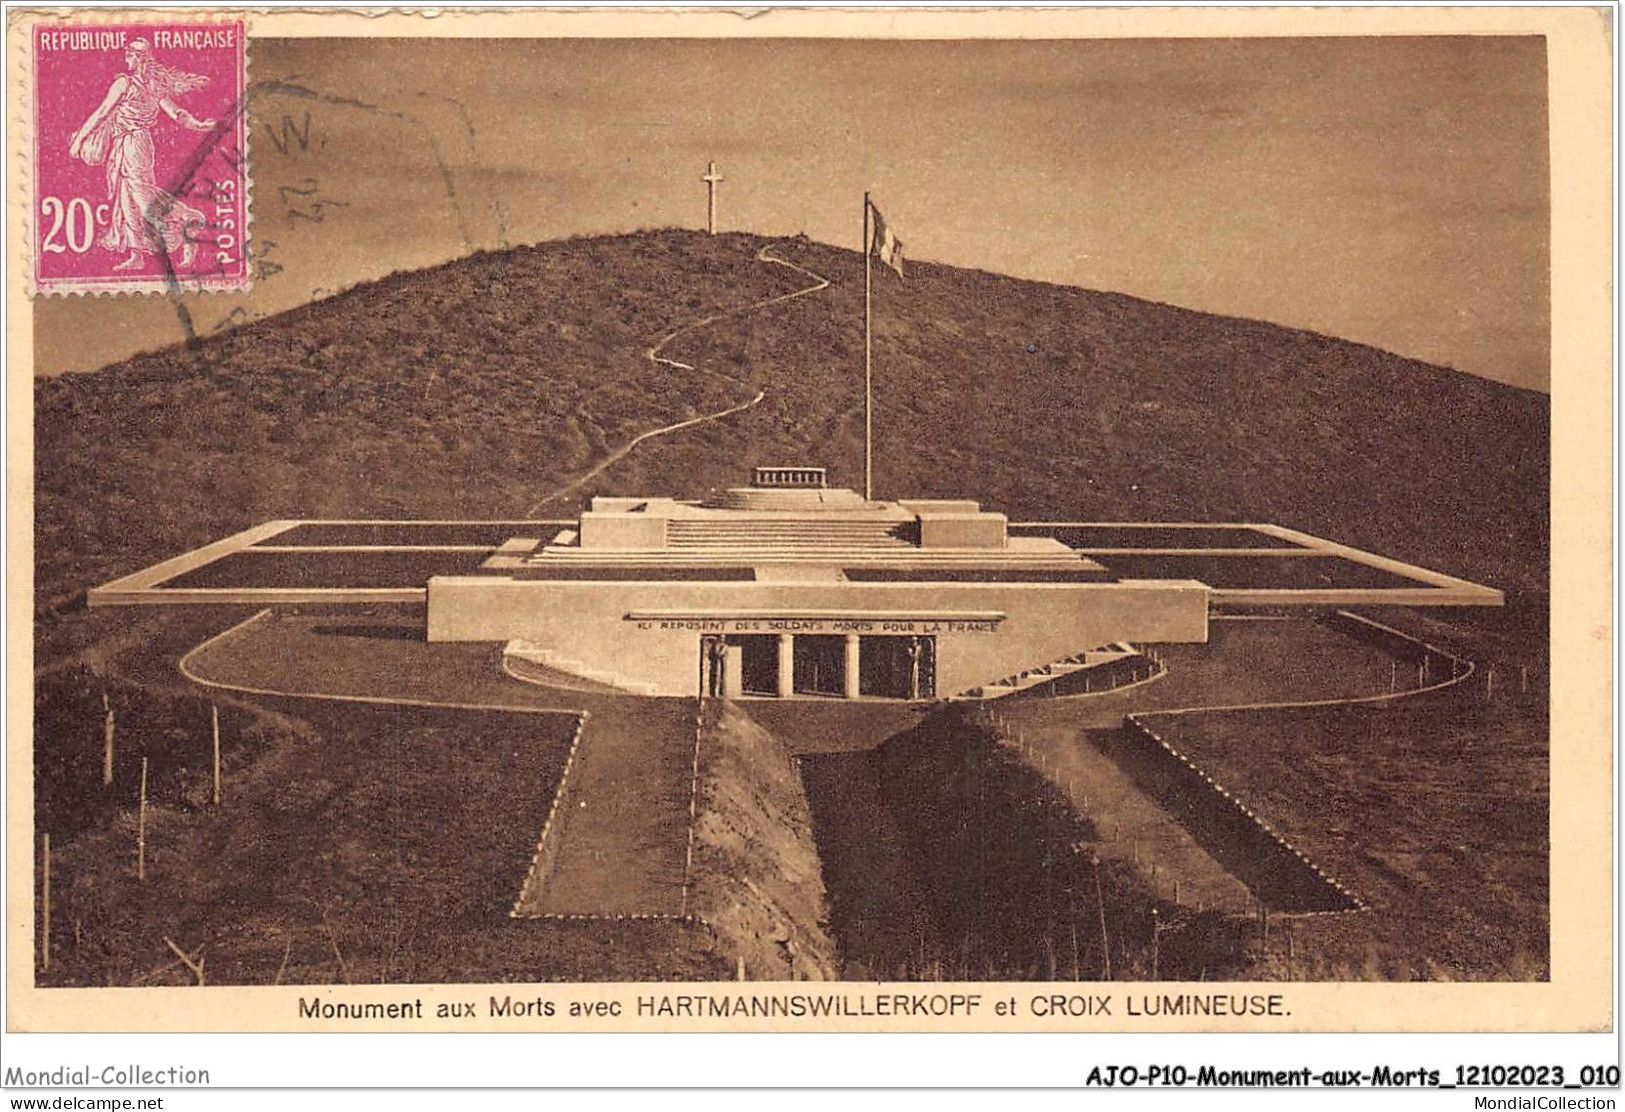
(1096, 680)
(754, 874)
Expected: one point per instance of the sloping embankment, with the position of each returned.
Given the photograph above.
(1019, 887)
(950, 858)
(754, 875)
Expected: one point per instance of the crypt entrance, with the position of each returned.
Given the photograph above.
(897, 667)
(821, 664)
(817, 665)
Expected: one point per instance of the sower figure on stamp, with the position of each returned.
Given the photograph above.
(145, 218)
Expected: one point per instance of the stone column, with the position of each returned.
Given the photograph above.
(787, 665)
(733, 675)
(852, 662)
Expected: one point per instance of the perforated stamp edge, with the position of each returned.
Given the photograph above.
(25, 134)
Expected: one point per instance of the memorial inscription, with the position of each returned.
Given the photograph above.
(812, 625)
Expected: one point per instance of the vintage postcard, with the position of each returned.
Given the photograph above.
(959, 521)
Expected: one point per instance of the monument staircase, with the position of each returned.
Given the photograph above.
(758, 499)
(1103, 659)
(789, 516)
(799, 534)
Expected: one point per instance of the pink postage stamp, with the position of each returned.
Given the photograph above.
(140, 175)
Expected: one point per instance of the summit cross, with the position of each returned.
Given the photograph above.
(711, 179)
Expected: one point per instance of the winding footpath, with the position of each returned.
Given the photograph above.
(764, 255)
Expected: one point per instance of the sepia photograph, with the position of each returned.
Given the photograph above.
(710, 514)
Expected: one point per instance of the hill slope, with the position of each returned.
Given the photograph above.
(473, 388)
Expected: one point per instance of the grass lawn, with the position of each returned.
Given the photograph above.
(1433, 812)
(1087, 537)
(487, 534)
(324, 568)
(367, 843)
(1431, 809)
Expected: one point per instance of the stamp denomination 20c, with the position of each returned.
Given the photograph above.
(140, 175)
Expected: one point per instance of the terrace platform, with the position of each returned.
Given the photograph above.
(371, 561)
(788, 589)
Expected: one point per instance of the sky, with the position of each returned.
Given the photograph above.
(1393, 191)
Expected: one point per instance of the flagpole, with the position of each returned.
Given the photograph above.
(868, 367)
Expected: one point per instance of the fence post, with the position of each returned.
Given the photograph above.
(1077, 973)
(107, 742)
(1156, 945)
(45, 903)
(141, 829)
(1105, 938)
(214, 720)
